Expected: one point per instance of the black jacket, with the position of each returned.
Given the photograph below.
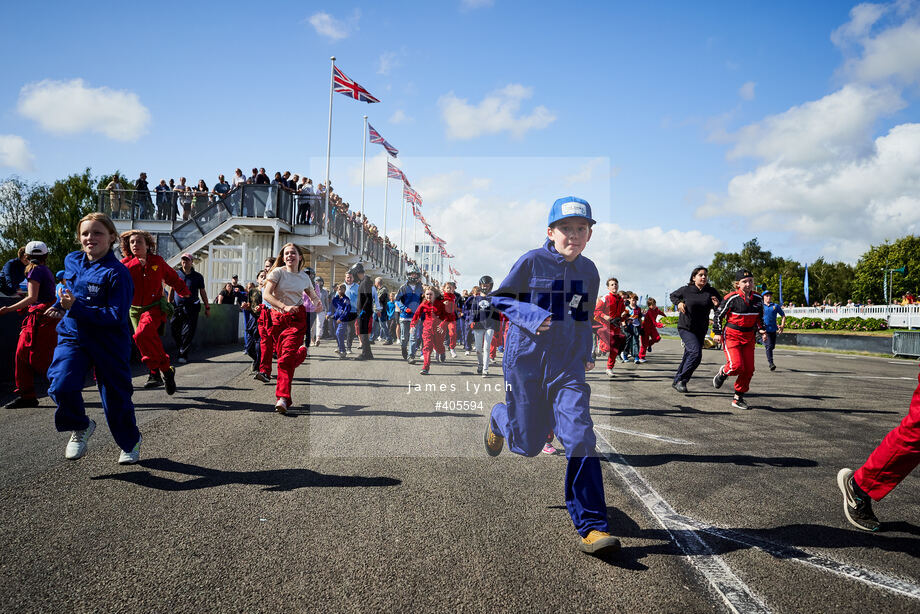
(698, 303)
(366, 297)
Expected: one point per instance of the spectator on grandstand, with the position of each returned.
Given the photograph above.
(221, 187)
(163, 200)
(184, 193)
(238, 178)
(142, 202)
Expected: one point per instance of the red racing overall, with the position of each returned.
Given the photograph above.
(450, 322)
(288, 330)
(37, 340)
(433, 315)
(649, 334)
(743, 317)
(610, 337)
(148, 291)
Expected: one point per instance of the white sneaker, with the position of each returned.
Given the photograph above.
(76, 447)
(467, 353)
(485, 373)
(282, 406)
(453, 354)
(609, 372)
(130, 458)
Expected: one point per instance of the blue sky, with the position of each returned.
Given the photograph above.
(690, 127)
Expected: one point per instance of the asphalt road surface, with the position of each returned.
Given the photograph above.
(379, 499)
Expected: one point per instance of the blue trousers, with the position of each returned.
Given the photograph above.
(768, 344)
(693, 354)
(67, 373)
(341, 333)
(411, 338)
(546, 397)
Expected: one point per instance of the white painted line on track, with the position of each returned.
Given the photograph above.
(680, 442)
(906, 363)
(857, 376)
(866, 576)
(736, 594)
(605, 396)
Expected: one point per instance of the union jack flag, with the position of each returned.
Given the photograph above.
(376, 138)
(452, 270)
(344, 85)
(412, 196)
(393, 172)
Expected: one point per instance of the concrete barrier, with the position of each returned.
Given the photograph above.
(221, 328)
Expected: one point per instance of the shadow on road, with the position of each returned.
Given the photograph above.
(679, 411)
(361, 411)
(274, 480)
(744, 460)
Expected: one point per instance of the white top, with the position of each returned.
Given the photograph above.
(289, 286)
(239, 180)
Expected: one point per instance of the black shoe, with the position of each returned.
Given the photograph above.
(22, 402)
(719, 379)
(423, 372)
(857, 505)
(169, 378)
(772, 367)
(738, 402)
(154, 380)
(262, 377)
(680, 387)
(479, 369)
(405, 353)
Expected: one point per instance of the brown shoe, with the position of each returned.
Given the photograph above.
(494, 443)
(599, 542)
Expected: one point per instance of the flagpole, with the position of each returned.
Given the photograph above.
(363, 173)
(402, 225)
(386, 193)
(329, 140)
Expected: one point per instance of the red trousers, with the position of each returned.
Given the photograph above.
(895, 457)
(739, 354)
(646, 341)
(452, 332)
(288, 330)
(498, 339)
(266, 341)
(611, 339)
(431, 339)
(37, 340)
(147, 338)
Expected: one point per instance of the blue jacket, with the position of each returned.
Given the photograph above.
(14, 271)
(351, 291)
(341, 309)
(769, 316)
(103, 291)
(407, 300)
(542, 284)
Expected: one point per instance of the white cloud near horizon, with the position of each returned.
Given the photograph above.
(399, 117)
(14, 153)
(498, 112)
(72, 107)
(588, 171)
(332, 28)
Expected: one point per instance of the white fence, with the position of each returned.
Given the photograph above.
(896, 315)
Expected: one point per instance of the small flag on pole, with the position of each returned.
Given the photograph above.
(344, 85)
(393, 172)
(807, 302)
(376, 138)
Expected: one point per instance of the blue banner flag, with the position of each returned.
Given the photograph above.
(807, 302)
(780, 288)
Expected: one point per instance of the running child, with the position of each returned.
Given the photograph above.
(483, 322)
(549, 297)
(633, 327)
(342, 316)
(94, 331)
(609, 312)
(432, 315)
(38, 334)
(743, 312)
(452, 306)
(150, 308)
(770, 312)
(284, 287)
(650, 326)
(264, 324)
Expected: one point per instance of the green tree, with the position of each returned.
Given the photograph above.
(868, 280)
(46, 213)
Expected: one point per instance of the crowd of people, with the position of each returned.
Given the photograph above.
(546, 314)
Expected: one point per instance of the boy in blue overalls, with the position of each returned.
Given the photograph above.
(548, 298)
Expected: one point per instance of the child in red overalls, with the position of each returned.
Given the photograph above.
(650, 326)
(452, 309)
(432, 313)
(742, 311)
(608, 312)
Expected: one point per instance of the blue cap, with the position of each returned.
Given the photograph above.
(59, 274)
(570, 207)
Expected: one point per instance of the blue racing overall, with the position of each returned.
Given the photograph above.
(95, 332)
(546, 372)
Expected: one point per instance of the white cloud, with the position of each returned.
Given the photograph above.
(498, 112)
(838, 125)
(386, 63)
(14, 152)
(399, 117)
(587, 172)
(873, 197)
(746, 91)
(892, 53)
(332, 28)
(376, 172)
(71, 107)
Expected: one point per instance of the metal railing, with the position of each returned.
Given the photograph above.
(905, 343)
(896, 315)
